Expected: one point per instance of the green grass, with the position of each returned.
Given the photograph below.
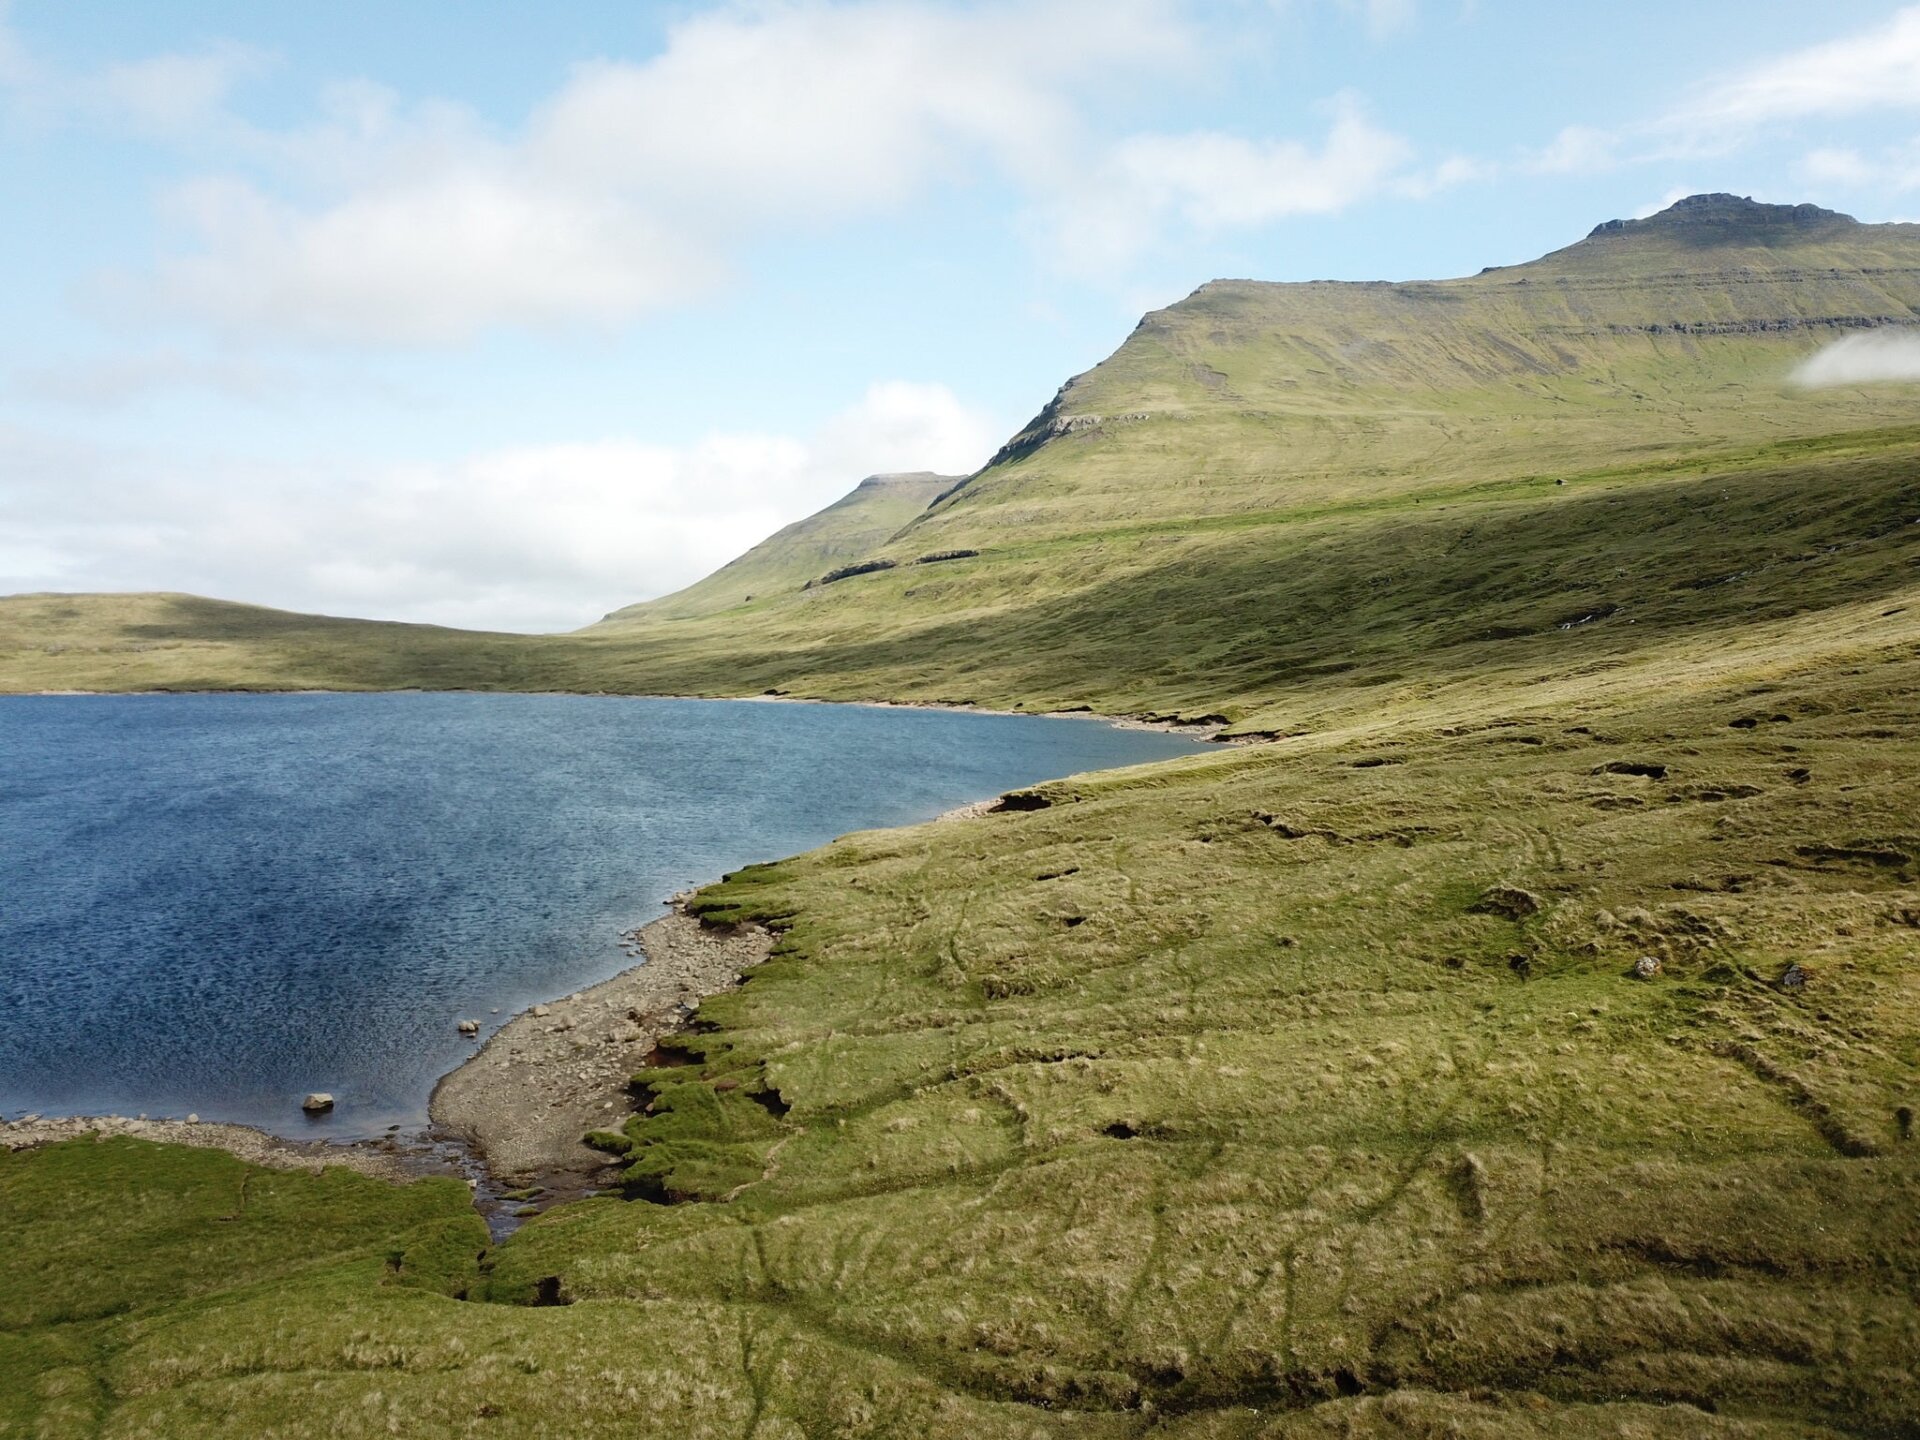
(846, 531)
(1134, 1116)
(1209, 1099)
(105, 1246)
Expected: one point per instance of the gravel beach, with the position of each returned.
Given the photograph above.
(387, 1159)
(558, 1070)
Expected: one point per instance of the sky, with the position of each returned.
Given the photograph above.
(500, 315)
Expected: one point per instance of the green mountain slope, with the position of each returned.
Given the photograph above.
(1673, 335)
(846, 531)
(1168, 534)
(1524, 1041)
(1232, 501)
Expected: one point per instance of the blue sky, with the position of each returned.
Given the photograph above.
(475, 314)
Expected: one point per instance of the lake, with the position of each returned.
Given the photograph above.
(216, 903)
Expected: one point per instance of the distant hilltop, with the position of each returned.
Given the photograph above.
(1721, 210)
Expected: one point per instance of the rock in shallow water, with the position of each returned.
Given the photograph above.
(318, 1103)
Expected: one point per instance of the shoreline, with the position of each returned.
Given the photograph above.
(397, 1158)
(509, 1119)
(523, 1101)
(1209, 728)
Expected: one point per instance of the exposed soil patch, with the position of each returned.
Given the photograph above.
(1643, 769)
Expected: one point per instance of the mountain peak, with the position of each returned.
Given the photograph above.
(1720, 214)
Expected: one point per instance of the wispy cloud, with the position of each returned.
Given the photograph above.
(1895, 167)
(1874, 357)
(126, 377)
(636, 184)
(1875, 69)
(1148, 186)
(1384, 17)
(156, 95)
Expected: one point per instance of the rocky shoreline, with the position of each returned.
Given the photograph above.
(398, 1159)
(558, 1070)
(510, 1119)
(1204, 727)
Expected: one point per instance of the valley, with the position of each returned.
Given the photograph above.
(1517, 1035)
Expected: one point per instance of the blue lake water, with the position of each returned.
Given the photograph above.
(217, 903)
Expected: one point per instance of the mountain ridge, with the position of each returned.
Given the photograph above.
(1243, 404)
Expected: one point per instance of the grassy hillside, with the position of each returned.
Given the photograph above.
(1659, 338)
(185, 642)
(1523, 1042)
(1268, 480)
(1297, 1090)
(846, 531)
(1229, 504)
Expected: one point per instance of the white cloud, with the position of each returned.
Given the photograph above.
(173, 92)
(1873, 357)
(1206, 181)
(1837, 166)
(126, 377)
(1452, 171)
(159, 94)
(1384, 17)
(535, 537)
(16, 70)
(1874, 69)
(1893, 168)
(1576, 150)
(637, 185)
(632, 186)
(431, 262)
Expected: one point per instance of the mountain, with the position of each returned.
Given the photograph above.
(854, 526)
(1671, 335)
(1214, 513)
(1521, 1039)
(1269, 483)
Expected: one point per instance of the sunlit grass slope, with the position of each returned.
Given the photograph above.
(104, 1248)
(846, 531)
(1265, 480)
(186, 642)
(1669, 336)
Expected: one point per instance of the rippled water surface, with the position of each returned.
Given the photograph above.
(216, 903)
